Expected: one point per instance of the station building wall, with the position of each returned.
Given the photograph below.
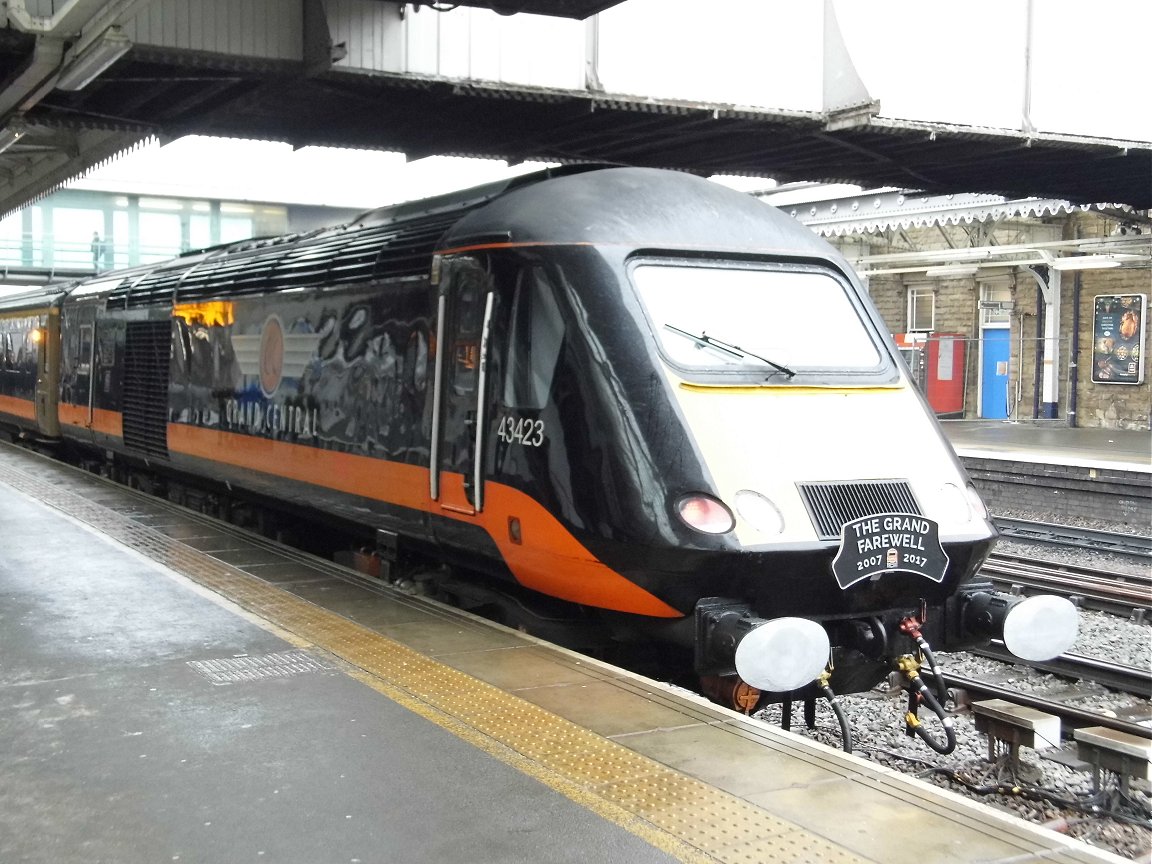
(957, 308)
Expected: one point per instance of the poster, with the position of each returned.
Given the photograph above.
(1118, 338)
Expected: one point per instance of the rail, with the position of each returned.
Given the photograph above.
(1071, 716)
(1126, 594)
(1137, 545)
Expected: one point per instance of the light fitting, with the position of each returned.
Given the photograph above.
(109, 47)
(955, 271)
(1085, 262)
(12, 132)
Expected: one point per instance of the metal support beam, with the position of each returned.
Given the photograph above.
(1049, 282)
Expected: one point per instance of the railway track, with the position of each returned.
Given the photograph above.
(1114, 676)
(1125, 594)
(1071, 716)
(1135, 545)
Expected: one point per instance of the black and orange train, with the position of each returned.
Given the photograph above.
(657, 399)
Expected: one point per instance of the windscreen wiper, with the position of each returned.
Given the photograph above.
(728, 348)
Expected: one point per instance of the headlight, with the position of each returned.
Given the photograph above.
(759, 512)
(978, 506)
(705, 513)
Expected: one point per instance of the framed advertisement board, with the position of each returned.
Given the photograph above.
(1118, 323)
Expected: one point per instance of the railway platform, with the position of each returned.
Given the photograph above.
(1059, 474)
(1052, 442)
(175, 689)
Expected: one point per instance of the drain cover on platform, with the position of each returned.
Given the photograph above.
(282, 665)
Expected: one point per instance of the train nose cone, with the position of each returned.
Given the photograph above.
(1041, 627)
(783, 654)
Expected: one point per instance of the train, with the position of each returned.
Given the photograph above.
(631, 393)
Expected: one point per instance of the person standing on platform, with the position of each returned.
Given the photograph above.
(97, 250)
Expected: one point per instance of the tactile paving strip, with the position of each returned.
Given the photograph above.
(685, 817)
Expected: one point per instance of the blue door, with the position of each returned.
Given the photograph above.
(994, 374)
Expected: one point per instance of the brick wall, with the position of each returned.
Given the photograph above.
(1063, 494)
(1112, 406)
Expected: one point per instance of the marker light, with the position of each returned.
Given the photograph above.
(783, 654)
(955, 504)
(759, 512)
(705, 513)
(978, 505)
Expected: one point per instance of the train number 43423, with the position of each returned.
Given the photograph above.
(521, 430)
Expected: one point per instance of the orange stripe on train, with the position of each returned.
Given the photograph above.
(17, 407)
(548, 558)
(103, 420)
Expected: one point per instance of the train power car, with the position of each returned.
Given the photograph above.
(654, 398)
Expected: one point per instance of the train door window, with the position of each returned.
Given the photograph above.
(921, 308)
(536, 333)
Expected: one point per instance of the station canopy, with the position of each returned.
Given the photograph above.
(167, 93)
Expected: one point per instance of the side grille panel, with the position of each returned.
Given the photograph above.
(832, 504)
(147, 350)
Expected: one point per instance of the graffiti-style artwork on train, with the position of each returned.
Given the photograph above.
(1118, 326)
(340, 375)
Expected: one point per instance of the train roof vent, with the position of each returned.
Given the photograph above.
(832, 503)
(154, 287)
(361, 255)
(395, 249)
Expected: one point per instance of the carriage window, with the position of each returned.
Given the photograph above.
(536, 332)
(737, 319)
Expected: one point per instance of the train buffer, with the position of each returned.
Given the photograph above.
(1015, 725)
(1123, 754)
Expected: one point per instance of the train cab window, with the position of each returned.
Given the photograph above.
(771, 322)
(536, 332)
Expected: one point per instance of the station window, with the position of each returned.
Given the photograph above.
(921, 308)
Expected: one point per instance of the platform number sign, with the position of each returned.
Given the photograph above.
(1118, 324)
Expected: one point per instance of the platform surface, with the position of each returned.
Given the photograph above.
(176, 690)
(1052, 442)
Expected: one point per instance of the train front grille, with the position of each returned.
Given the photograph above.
(832, 503)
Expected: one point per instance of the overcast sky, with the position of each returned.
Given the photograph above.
(958, 61)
